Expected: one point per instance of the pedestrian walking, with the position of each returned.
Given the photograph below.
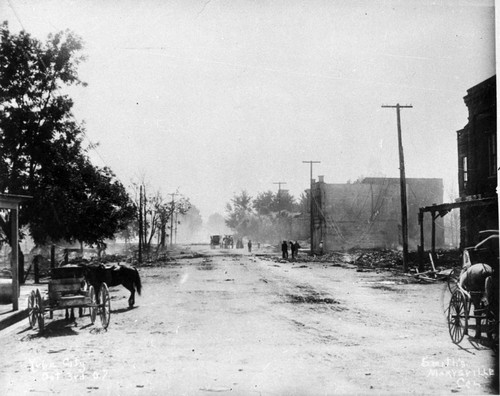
(249, 246)
(296, 248)
(292, 249)
(284, 249)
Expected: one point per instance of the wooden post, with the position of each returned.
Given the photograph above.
(14, 258)
(433, 249)
(421, 248)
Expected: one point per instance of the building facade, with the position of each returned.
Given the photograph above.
(367, 215)
(477, 162)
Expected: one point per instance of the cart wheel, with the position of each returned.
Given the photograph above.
(453, 278)
(32, 309)
(105, 304)
(93, 304)
(458, 316)
(40, 309)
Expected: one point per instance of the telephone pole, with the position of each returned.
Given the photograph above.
(172, 219)
(402, 180)
(140, 225)
(279, 194)
(311, 201)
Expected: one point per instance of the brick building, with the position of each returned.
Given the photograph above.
(477, 162)
(368, 214)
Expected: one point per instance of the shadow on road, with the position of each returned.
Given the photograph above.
(55, 328)
(122, 310)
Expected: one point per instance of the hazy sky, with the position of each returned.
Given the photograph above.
(213, 97)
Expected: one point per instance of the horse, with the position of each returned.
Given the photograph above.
(476, 280)
(115, 275)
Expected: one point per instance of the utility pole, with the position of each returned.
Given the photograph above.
(172, 219)
(279, 194)
(402, 180)
(140, 225)
(311, 201)
(176, 222)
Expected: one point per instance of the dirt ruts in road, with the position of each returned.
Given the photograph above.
(241, 325)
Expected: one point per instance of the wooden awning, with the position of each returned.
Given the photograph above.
(442, 210)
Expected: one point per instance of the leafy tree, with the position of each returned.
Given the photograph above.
(265, 203)
(41, 149)
(266, 218)
(238, 212)
(284, 202)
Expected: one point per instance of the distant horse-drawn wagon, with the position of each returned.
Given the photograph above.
(215, 240)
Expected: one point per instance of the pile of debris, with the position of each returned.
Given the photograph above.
(366, 260)
(329, 257)
(384, 258)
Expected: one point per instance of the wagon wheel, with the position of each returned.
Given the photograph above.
(32, 309)
(105, 305)
(39, 310)
(93, 303)
(458, 316)
(453, 278)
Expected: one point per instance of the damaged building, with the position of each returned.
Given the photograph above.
(477, 162)
(367, 214)
(477, 168)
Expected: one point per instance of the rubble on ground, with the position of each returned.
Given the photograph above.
(384, 259)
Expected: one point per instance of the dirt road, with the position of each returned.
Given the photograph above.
(244, 325)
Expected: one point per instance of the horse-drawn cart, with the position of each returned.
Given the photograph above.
(215, 240)
(475, 285)
(69, 289)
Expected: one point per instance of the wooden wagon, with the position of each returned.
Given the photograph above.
(68, 289)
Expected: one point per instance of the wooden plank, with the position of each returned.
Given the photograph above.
(432, 262)
(66, 281)
(75, 287)
(73, 301)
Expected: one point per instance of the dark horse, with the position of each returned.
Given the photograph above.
(114, 275)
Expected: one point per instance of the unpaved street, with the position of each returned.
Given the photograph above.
(243, 324)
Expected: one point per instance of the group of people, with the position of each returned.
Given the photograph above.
(294, 248)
